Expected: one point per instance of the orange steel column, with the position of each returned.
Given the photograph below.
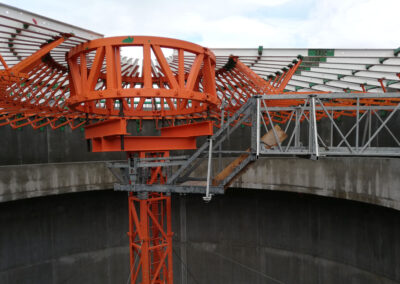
(144, 228)
(169, 239)
(150, 238)
(150, 233)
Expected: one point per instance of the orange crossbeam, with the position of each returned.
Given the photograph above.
(110, 135)
(109, 127)
(142, 143)
(27, 63)
(204, 128)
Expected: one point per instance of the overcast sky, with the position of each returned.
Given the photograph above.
(236, 23)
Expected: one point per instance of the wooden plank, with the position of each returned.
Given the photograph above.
(269, 141)
(229, 169)
(269, 138)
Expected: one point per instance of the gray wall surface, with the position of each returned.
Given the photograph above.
(246, 236)
(370, 180)
(34, 180)
(28, 146)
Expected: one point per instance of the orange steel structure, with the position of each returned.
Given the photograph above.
(150, 242)
(150, 231)
(102, 93)
(236, 83)
(179, 90)
(38, 91)
(95, 91)
(33, 91)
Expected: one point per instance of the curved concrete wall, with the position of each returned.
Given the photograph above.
(34, 180)
(69, 238)
(370, 180)
(246, 236)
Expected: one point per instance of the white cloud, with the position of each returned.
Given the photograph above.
(231, 23)
(351, 23)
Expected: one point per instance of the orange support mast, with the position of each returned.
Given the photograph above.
(150, 238)
(99, 87)
(150, 232)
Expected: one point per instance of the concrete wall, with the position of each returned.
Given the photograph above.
(34, 180)
(28, 146)
(251, 236)
(69, 238)
(246, 236)
(370, 180)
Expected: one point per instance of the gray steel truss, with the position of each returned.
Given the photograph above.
(308, 136)
(311, 129)
(133, 174)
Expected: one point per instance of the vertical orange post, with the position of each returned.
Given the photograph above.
(144, 226)
(169, 239)
(150, 234)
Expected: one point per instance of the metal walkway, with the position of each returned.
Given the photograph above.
(312, 131)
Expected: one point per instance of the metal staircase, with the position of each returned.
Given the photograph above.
(133, 174)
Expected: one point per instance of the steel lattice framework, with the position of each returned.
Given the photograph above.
(179, 93)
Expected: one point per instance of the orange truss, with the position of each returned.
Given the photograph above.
(96, 84)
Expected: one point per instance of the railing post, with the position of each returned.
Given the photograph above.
(208, 196)
(358, 123)
(220, 145)
(254, 115)
(258, 126)
(314, 133)
(297, 128)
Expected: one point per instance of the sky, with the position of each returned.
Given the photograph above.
(236, 23)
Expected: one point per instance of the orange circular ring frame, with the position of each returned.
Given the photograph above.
(100, 83)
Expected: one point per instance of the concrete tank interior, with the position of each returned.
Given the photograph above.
(245, 236)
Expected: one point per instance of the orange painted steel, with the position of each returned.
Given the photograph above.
(204, 128)
(150, 231)
(39, 92)
(272, 86)
(100, 92)
(150, 239)
(33, 92)
(19, 71)
(142, 143)
(237, 84)
(96, 86)
(111, 127)
(111, 136)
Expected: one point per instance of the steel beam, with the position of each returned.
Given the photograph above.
(143, 144)
(168, 188)
(203, 128)
(336, 95)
